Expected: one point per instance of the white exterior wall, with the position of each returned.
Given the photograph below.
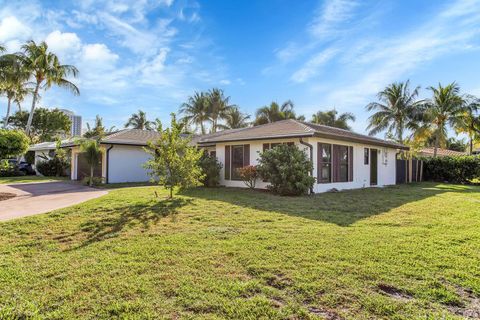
(126, 164)
(361, 172)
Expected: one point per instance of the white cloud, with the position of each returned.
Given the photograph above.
(331, 15)
(225, 82)
(312, 66)
(99, 54)
(63, 44)
(12, 29)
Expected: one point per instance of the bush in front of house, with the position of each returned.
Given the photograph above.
(96, 181)
(249, 175)
(461, 169)
(287, 169)
(9, 170)
(55, 167)
(211, 170)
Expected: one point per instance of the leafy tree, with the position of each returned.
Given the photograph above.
(397, 111)
(2, 48)
(276, 112)
(93, 155)
(46, 70)
(195, 111)
(98, 129)
(139, 121)
(217, 107)
(12, 143)
(234, 119)
(330, 118)
(456, 144)
(287, 169)
(211, 170)
(47, 124)
(442, 110)
(174, 161)
(468, 121)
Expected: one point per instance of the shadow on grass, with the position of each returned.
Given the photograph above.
(115, 220)
(340, 208)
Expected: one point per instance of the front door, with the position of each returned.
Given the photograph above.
(373, 167)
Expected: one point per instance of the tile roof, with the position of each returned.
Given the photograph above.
(441, 152)
(292, 128)
(131, 137)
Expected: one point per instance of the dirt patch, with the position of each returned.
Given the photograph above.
(327, 314)
(393, 292)
(6, 195)
(471, 307)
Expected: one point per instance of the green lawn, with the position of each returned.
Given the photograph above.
(395, 253)
(27, 179)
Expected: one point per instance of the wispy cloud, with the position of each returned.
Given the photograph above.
(331, 17)
(312, 66)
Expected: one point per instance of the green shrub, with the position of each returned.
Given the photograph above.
(461, 169)
(249, 175)
(96, 181)
(30, 157)
(287, 170)
(8, 170)
(55, 167)
(211, 170)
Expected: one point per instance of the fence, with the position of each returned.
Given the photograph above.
(408, 171)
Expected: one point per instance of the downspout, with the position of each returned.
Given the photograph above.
(108, 163)
(311, 159)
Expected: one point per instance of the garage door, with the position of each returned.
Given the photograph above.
(83, 168)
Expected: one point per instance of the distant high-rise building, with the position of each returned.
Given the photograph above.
(76, 128)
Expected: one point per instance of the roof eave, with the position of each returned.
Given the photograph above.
(302, 135)
(360, 140)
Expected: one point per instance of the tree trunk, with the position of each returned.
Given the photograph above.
(90, 183)
(436, 145)
(202, 127)
(171, 192)
(8, 112)
(471, 145)
(19, 106)
(34, 101)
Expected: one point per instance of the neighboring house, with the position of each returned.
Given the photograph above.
(341, 159)
(429, 151)
(43, 151)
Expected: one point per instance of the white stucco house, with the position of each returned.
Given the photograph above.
(341, 159)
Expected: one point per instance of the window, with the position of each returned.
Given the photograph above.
(343, 163)
(237, 161)
(366, 154)
(325, 175)
(267, 146)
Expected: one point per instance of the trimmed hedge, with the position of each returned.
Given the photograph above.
(461, 169)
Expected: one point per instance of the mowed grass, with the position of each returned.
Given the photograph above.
(402, 252)
(29, 179)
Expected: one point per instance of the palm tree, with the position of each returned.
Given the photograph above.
(46, 70)
(12, 82)
(330, 118)
(98, 129)
(139, 121)
(235, 119)
(442, 110)
(195, 111)
(93, 155)
(468, 121)
(276, 112)
(397, 110)
(217, 107)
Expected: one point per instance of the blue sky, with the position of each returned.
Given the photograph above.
(152, 55)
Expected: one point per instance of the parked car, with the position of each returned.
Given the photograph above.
(22, 166)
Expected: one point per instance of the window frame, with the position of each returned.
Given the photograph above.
(233, 170)
(343, 163)
(366, 156)
(328, 164)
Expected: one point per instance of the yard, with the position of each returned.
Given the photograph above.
(29, 179)
(399, 253)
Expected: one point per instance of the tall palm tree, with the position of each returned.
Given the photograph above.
(139, 121)
(275, 112)
(12, 82)
(468, 121)
(330, 118)
(234, 119)
(217, 107)
(46, 70)
(397, 111)
(442, 110)
(195, 111)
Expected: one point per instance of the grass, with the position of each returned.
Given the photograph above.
(29, 179)
(403, 252)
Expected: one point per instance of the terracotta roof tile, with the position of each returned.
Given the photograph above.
(429, 151)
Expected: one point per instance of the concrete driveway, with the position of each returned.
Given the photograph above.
(35, 198)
